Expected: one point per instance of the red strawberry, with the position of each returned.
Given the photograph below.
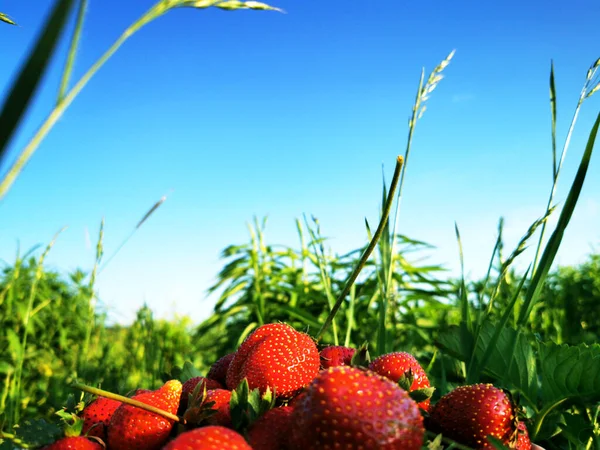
(336, 355)
(395, 365)
(469, 414)
(221, 397)
(209, 438)
(271, 431)
(74, 443)
(347, 407)
(276, 356)
(190, 385)
(218, 371)
(96, 416)
(134, 428)
(523, 441)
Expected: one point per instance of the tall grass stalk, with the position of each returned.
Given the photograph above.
(92, 292)
(389, 241)
(590, 87)
(157, 10)
(143, 220)
(14, 412)
(70, 62)
(21, 92)
(319, 252)
(367, 253)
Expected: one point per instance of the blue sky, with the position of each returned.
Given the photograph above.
(259, 113)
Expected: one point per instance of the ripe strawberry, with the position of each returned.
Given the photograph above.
(523, 441)
(218, 371)
(351, 408)
(271, 431)
(96, 416)
(469, 414)
(336, 355)
(221, 397)
(74, 443)
(397, 364)
(190, 385)
(134, 428)
(209, 438)
(276, 356)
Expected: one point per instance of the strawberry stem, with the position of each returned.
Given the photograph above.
(127, 400)
(365, 256)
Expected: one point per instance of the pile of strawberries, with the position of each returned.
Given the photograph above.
(278, 392)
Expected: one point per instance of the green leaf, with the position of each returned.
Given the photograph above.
(361, 357)
(522, 363)
(188, 372)
(576, 429)
(406, 380)
(496, 443)
(247, 405)
(37, 433)
(22, 90)
(570, 371)
(420, 395)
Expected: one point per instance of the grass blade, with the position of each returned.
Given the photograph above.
(31, 74)
(565, 216)
(6, 19)
(367, 253)
(64, 83)
(553, 118)
(467, 341)
(137, 227)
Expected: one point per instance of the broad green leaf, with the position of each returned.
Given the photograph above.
(576, 429)
(37, 433)
(570, 371)
(522, 373)
(188, 372)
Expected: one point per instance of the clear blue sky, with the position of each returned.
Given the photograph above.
(245, 113)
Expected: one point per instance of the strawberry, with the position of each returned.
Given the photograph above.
(96, 416)
(190, 385)
(352, 408)
(218, 371)
(396, 365)
(271, 431)
(209, 438)
(74, 443)
(134, 428)
(336, 355)
(469, 414)
(221, 398)
(276, 356)
(523, 441)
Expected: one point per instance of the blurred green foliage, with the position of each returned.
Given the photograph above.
(259, 283)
